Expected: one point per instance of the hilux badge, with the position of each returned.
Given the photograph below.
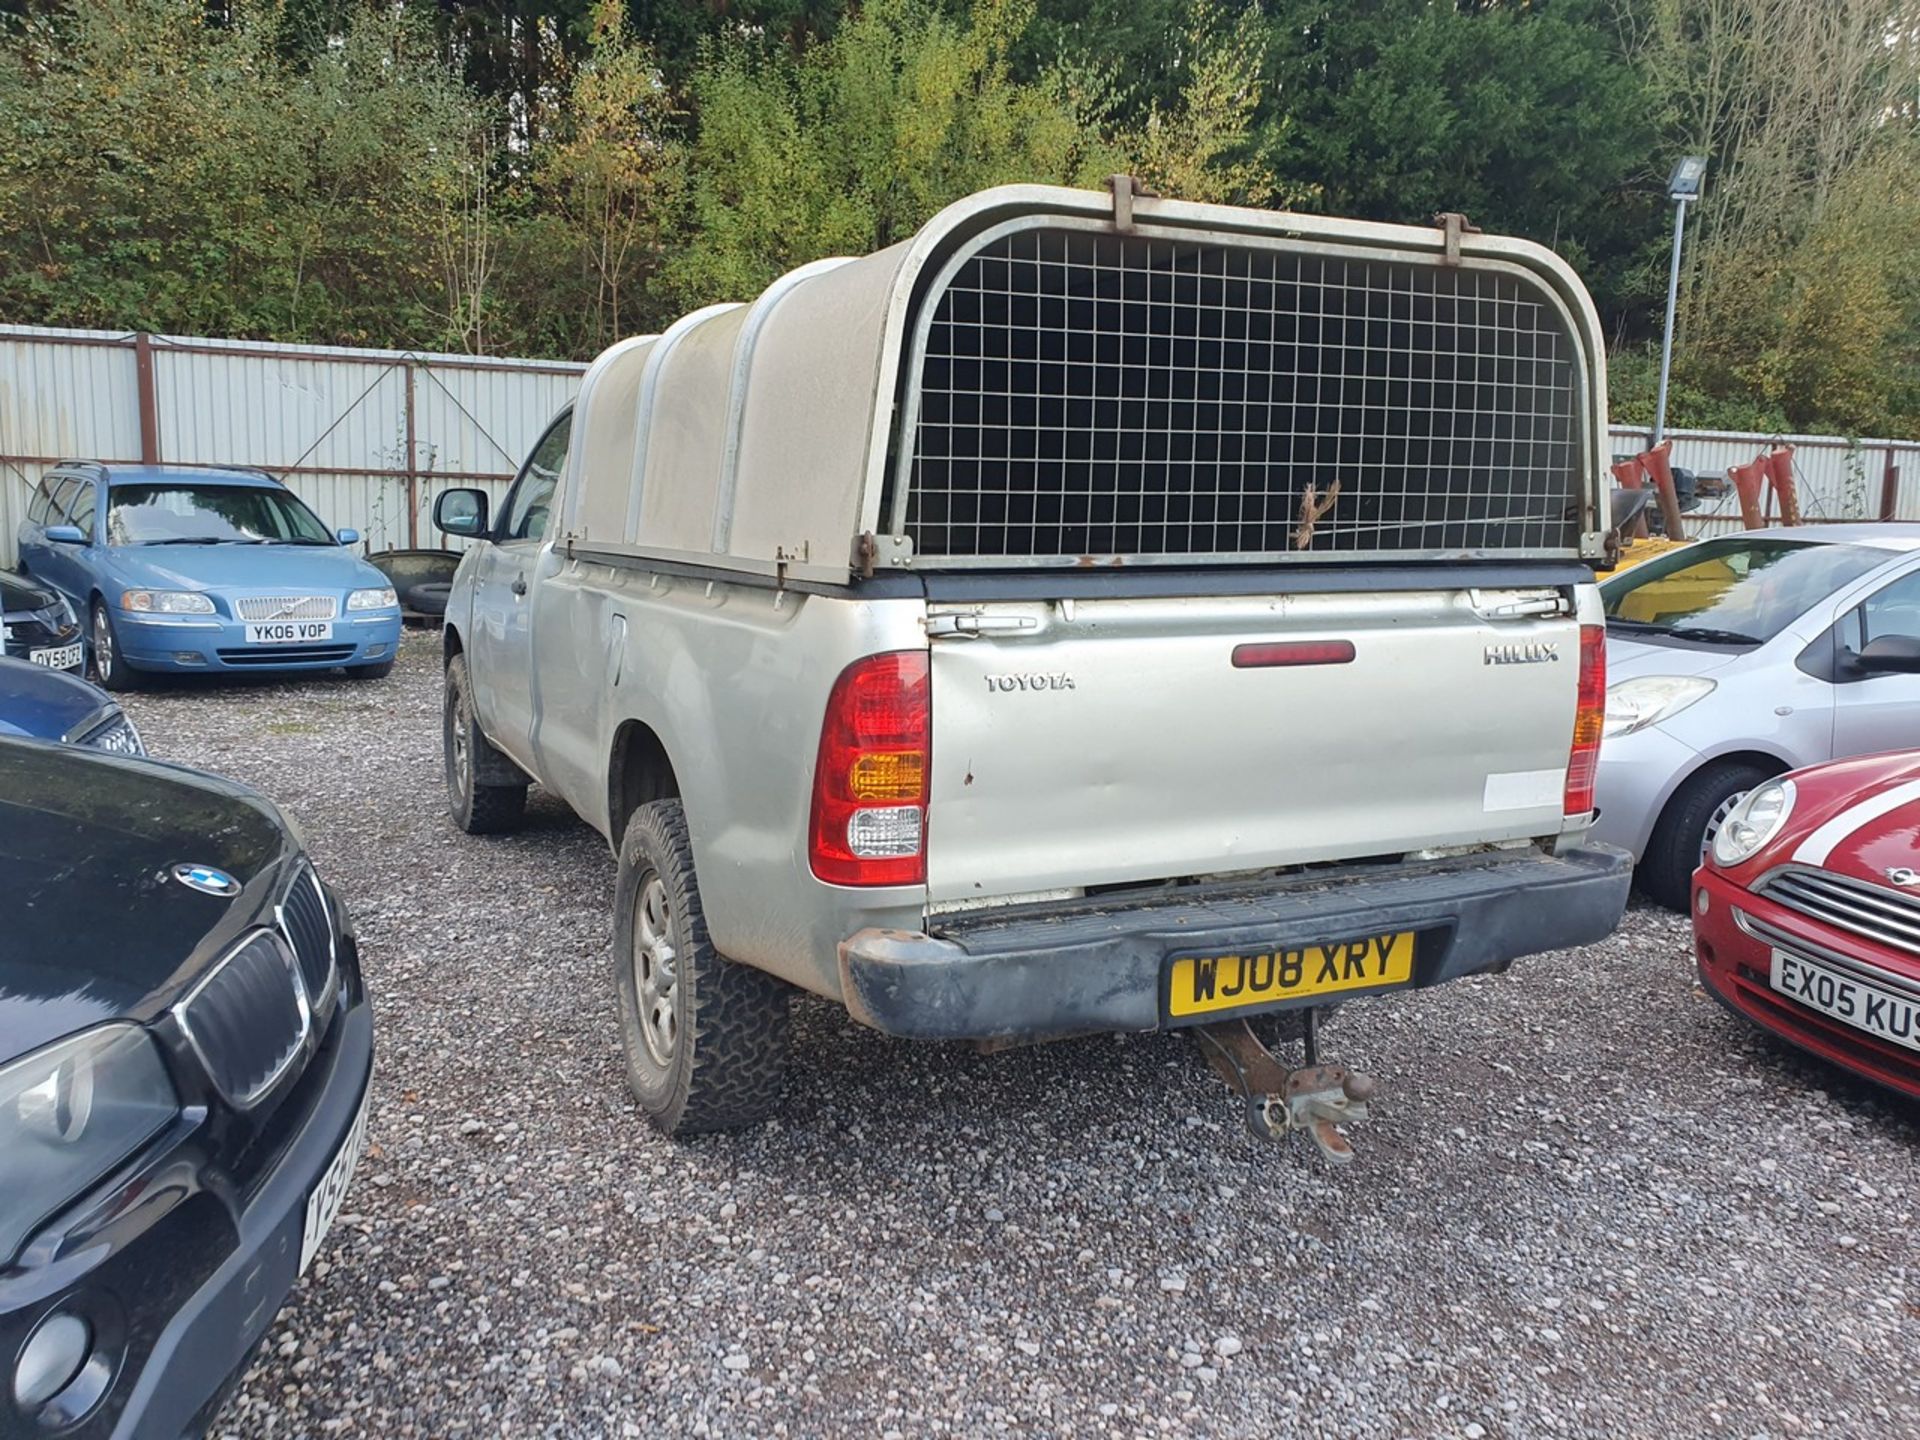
(206, 879)
(1530, 652)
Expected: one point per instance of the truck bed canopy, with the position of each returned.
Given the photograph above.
(1040, 378)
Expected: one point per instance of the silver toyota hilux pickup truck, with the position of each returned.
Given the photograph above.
(1095, 613)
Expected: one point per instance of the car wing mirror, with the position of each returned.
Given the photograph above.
(1888, 655)
(66, 535)
(347, 535)
(461, 512)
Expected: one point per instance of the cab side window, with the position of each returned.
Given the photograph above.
(1894, 609)
(530, 505)
(80, 508)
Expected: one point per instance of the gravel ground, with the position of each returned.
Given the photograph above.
(1590, 1204)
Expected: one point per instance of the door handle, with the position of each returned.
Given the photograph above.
(519, 584)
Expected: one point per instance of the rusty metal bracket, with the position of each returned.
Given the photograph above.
(1454, 224)
(866, 550)
(1281, 1101)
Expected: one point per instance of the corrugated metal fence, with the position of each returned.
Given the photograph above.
(369, 437)
(1835, 478)
(366, 437)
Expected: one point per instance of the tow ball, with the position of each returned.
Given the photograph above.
(1281, 1100)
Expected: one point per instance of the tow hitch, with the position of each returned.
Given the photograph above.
(1280, 1100)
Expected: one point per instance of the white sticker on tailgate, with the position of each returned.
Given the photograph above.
(1524, 789)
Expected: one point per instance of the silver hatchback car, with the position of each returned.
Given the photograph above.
(1740, 657)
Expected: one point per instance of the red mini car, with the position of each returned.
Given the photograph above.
(1806, 913)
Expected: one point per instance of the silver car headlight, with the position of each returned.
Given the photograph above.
(167, 602)
(1753, 823)
(1647, 699)
(69, 1113)
(381, 597)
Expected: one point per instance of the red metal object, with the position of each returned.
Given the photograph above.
(1779, 463)
(1889, 488)
(1658, 462)
(413, 471)
(1747, 480)
(1632, 476)
(1851, 832)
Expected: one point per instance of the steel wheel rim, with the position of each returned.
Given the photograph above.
(102, 643)
(1717, 819)
(459, 742)
(655, 980)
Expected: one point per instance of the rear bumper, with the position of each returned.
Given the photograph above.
(1032, 972)
(189, 644)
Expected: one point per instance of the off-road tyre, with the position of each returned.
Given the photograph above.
(478, 809)
(1679, 837)
(728, 1061)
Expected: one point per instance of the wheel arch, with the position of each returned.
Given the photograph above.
(639, 770)
(1768, 760)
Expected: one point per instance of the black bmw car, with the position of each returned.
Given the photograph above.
(37, 625)
(185, 1046)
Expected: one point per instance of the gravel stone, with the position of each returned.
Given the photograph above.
(1589, 1127)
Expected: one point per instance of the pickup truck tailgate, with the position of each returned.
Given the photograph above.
(1105, 741)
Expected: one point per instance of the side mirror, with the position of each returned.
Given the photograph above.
(66, 535)
(1889, 655)
(347, 535)
(461, 512)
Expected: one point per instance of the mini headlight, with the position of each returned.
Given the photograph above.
(1753, 822)
(69, 1113)
(167, 602)
(1635, 704)
(379, 598)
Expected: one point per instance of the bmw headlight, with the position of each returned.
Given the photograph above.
(381, 597)
(69, 1113)
(1635, 704)
(167, 602)
(1753, 822)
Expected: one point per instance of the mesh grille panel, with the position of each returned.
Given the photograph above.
(287, 607)
(1090, 394)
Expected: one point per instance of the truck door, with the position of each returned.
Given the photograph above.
(502, 640)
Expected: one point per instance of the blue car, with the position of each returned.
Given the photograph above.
(181, 568)
(42, 704)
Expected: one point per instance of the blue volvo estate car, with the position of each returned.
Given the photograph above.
(180, 568)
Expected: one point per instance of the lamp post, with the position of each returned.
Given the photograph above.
(1683, 185)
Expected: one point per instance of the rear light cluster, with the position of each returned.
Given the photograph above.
(869, 823)
(1589, 718)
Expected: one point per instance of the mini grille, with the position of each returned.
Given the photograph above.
(305, 921)
(248, 1020)
(287, 607)
(1087, 395)
(1877, 914)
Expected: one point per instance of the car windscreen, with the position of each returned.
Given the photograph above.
(1734, 591)
(187, 514)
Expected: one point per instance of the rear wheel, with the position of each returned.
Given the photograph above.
(476, 807)
(108, 662)
(705, 1038)
(1687, 827)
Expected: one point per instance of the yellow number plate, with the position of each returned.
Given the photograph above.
(1206, 984)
